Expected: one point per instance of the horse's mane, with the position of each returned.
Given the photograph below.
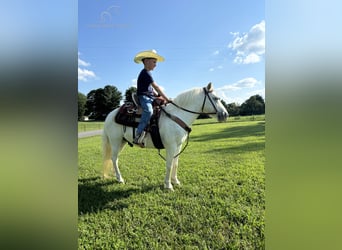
(185, 97)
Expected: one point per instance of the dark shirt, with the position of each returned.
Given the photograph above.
(144, 83)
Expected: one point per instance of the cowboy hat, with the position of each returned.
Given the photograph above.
(148, 54)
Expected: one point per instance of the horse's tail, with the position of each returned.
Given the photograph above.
(107, 151)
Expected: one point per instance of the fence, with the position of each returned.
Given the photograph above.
(88, 126)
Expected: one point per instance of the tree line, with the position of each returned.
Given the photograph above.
(97, 104)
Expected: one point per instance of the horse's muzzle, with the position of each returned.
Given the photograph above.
(222, 116)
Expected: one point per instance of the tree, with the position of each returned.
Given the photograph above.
(82, 99)
(255, 105)
(90, 104)
(101, 102)
(128, 94)
(233, 109)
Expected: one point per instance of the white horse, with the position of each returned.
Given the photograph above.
(186, 107)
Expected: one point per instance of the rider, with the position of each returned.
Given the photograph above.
(147, 90)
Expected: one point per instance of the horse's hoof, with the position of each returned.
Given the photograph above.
(169, 190)
(177, 183)
(168, 187)
(106, 176)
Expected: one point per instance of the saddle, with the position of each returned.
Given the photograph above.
(130, 114)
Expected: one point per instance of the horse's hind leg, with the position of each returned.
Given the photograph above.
(115, 159)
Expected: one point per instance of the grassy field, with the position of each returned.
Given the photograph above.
(96, 125)
(220, 205)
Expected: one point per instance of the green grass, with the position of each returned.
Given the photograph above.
(220, 205)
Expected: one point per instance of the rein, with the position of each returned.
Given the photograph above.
(187, 142)
(206, 94)
(183, 124)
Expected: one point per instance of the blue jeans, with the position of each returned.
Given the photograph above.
(146, 105)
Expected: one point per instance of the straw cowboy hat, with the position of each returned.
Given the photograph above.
(148, 54)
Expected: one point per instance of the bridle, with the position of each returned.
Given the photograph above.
(206, 95)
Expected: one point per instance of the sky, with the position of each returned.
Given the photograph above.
(221, 41)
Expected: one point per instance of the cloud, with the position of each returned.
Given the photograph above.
(239, 88)
(83, 63)
(84, 74)
(229, 98)
(248, 82)
(249, 47)
(260, 92)
(218, 67)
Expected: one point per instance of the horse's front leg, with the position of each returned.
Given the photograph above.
(168, 184)
(169, 166)
(174, 178)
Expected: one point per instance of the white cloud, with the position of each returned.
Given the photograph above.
(83, 63)
(248, 82)
(260, 92)
(249, 47)
(84, 74)
(218, 67)
(251, 58)
(229, 98)
(239, 88)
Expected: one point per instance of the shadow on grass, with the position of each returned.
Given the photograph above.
(257, 129)
(206, 123)
(247, 147)
(93, 196)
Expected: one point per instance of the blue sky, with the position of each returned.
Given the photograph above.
(219, 41)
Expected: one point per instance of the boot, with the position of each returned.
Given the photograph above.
(139, 139)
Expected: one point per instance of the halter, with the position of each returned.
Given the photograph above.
(206, 94)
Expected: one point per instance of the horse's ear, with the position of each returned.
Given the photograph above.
(210, 87)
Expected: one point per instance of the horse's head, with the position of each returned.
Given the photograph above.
(212, 104)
